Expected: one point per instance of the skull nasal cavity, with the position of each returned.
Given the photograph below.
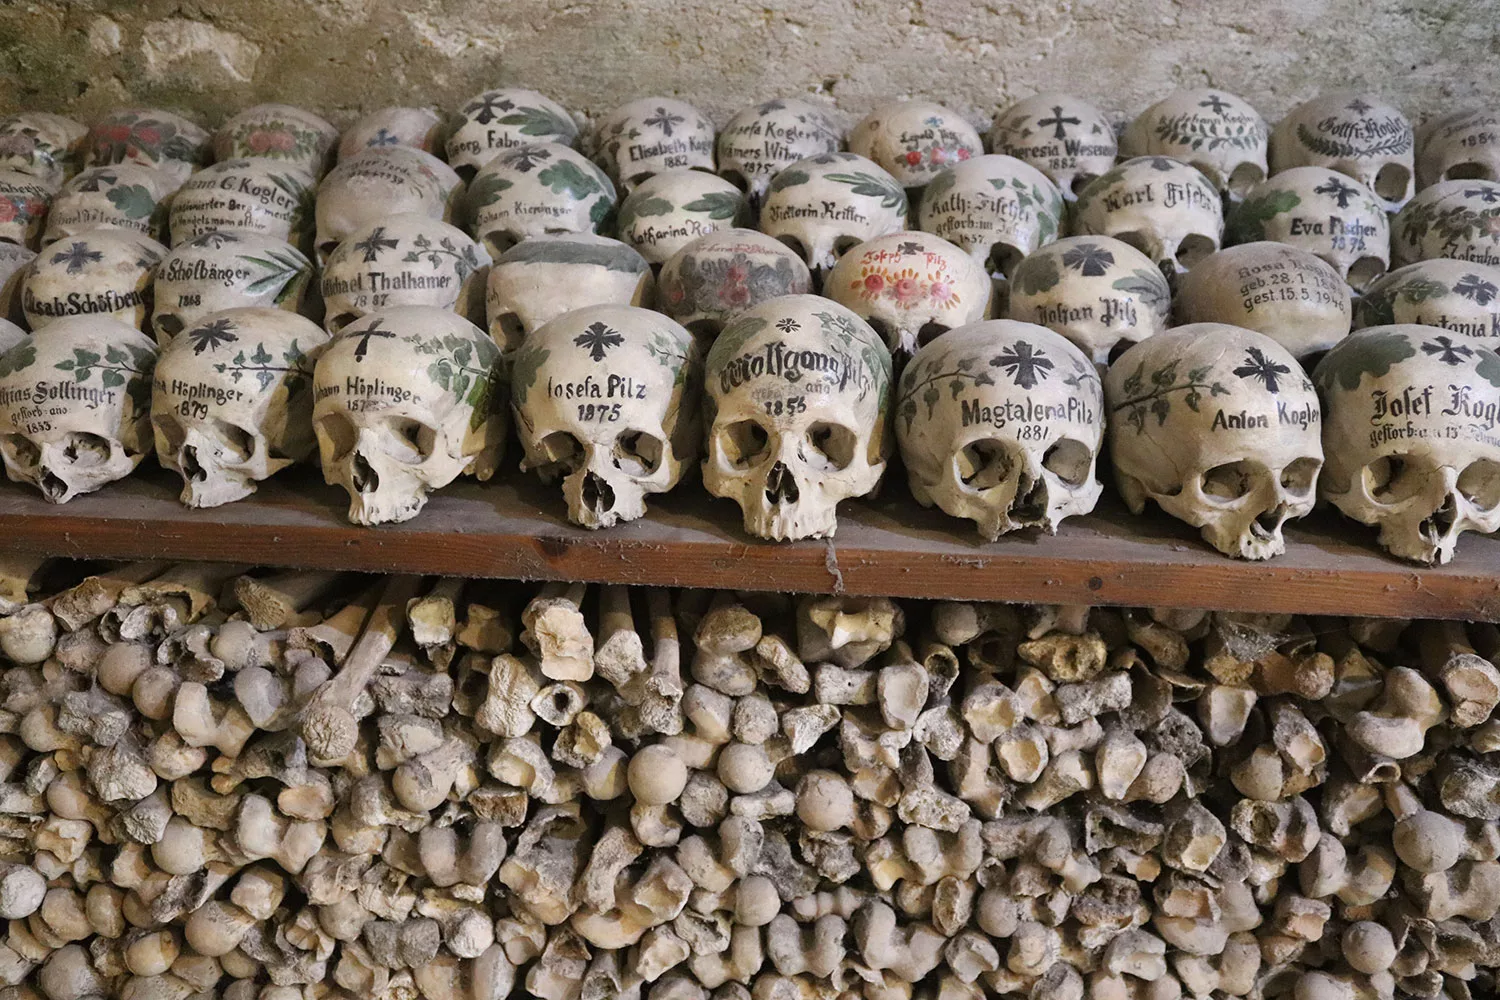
(190, 466)
(364, 477)
(597, 495)
(781, 486)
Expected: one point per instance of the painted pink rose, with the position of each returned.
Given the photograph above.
(941, 291)
(907, 290)
(963, 153)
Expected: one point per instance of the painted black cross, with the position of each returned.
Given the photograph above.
(1488, 195)
(1358, 106)
(1216, 102)
(1337, 190)
(371, 245)
(364, 336)
(1057, 121)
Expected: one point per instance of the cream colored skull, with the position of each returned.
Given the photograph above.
(404, 260)
(1453, 294)
(150, 137)
(13, 267)
(650, 135)
(796, 399)
(381, 181)
(761, 141)
(534, 190)
(123, 196)
(281, 133)
(1290, 295)
(232, 401)
(405, 401)
(910, 287)
(1097, 292)
(23, 207)
(75, 401)
(1411, 436)
(11, 335)
(102, 272)
(716, 277)
(1161, 206)
(1001, 422)
(606, 400)
(48, 147)
(419, 128)
(1358, 135)
(825, 204)
(1067, 139)
(915, 140)
(257, 196)
(498, 121)
(995, 207)
(669, 210)
(230, 270)
(1212, 130)
(1320, 211)
(539, 279)
(1221, 427)
(1463, 145)
(1458, 219)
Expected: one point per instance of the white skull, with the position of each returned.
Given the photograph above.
(11, 335)
(1221, 427)
(46, 146)
(653, 134)
(669, 210)
(498, 121)
(1320, 211)
(1290, 295)
(1358, 135)
(231, 270)
(381, 181)
(915, 140)
(419, 128)
(1067, 139)
(232, 401)
(538, 189)
(150, 137)
(75, 401)
(1453, 294)
(1213, 130)
(1463, 145)
(1411, 436)
(910, 287)
(1099, 293)
(825, 204)
(1161, 206)
(539, 279)
(122, 196)
(1458, 219)
(796, 401)
(405, 401)
(995, 207)
(404, 260)
(1000, 422)
(280, 132)
(761, 141)
(101, 272)
(23, 207)
(716, 277)
(13, 261)
(606, 399)
(258, 196)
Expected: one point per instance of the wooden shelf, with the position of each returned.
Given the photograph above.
(516, 529)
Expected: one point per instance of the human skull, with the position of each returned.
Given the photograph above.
(915, 140)
(1213, 130)
(606, 399)
(229, 270)
(46, 146)
(101, 272)
(650, 135)
(1161, 206)
(1295, 298)
(381, 181)
(13, 261)
(75, 401)
(796, 400)
(715, 277)
(279, 132)
(419, 128)
(23, 207)
(1100, 294)
(498, 121)
(405, 401)
(1453, 294)
(1320, 211)
(995, 207)
(1220, 426)
(1067, 139)
(761, 141)
(258, 196)
(122, 196)
(825, 204)
(404, 260)
(11, 335)
(539, 279)
(1358, 135)
(1411, 437)
(537, 189)
(1461, 146)
(669, 210)
(1458, 219)
(1000, 422)
(232, 401)
(910, 287)
(150, 137)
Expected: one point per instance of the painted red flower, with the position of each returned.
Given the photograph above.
(941, 291)
(7, 210)
(35, 207)
(913, 157)
(148, 137)
(676, 295)
(117, 133)
(907, 290)
(939, 154)
(963, 154)
(735, 295)
(270, 142)
(737, 273)
(874, 284)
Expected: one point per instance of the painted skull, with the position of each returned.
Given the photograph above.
(825, 204)
(915, 140)
(606, 399)
(1067, 139)
(14, 259)
(1358, 135)
(1212, 130)
(419, 128)
(498, 121)
(1161, 206)
(1221, 427)
(48, 147)
(1320, 211)
(279, 132)
(231, 270)
(1453, 294)
(995, 207)
(538, 189)
(1411, 416)
(404, 260)
(381, 181)
(258, 196)
(232, 401)
(797, 391)
(101, 272)
(650, 135)
(1461, 146)
(539, 279)
(669, 210)
(1295, 298)
(716, 277)
(150, 137)
(1458, 219)
(23, 207)
(122, 196)
(761, 141)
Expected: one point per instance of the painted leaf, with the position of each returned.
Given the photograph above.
(717, 204)
(541, 121)
(133, 200)
(572, 178)
(486, 189)
(1247, 223)
(1038, 274)
(1366, 352)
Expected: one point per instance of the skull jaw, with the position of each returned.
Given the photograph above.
(380, 492)
(1429, 537)
(1251, 531)
(216, 490)
(59, 480)
(788, 522)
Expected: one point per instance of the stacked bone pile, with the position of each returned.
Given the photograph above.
(281, 786)
(593, 285)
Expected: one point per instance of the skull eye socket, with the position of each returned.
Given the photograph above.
(1468, 172)
(508, 325)
(326, 249)
(1193, 248)
(637, 453)
(844, 244)
(238, 443)
(336, 323)
(983, 464)
(1391, 182)
(736, 178)
(634, 180)
(1228, 482)
(86, 449)
(830, 447)
(166, 425)
(744, 443)
(1003, 259)
(337, 434)
(1069, 460)
(409, 441)
(1392, 479)
(498, 241)
(1298, 477)
(561, 454)
(1480, 484)
(21, 451)
(168, 325)
(930, 332)
(1364, 271)
(1244, 177)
